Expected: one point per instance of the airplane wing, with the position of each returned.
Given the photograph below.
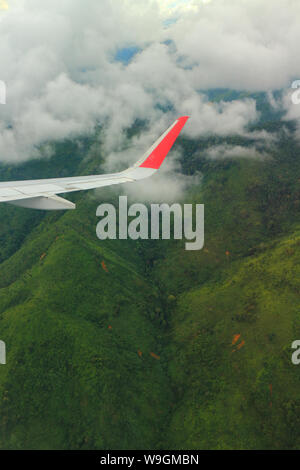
(42, 194)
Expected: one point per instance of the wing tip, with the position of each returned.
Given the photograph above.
(157, 156)
(184, 118)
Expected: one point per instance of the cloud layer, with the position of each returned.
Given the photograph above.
(58, 61)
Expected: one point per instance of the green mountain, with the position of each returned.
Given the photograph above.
(141, 344)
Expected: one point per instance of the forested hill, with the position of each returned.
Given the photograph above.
(124, 344)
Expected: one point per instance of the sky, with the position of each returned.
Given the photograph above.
(71, 65)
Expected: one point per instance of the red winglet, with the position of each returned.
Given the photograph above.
(157, 156)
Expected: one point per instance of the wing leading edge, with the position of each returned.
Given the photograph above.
(42, 194)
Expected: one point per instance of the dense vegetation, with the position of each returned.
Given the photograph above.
(124, 344)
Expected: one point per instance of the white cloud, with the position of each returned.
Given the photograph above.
(57, 59)
(235, 151)
(167, 185)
